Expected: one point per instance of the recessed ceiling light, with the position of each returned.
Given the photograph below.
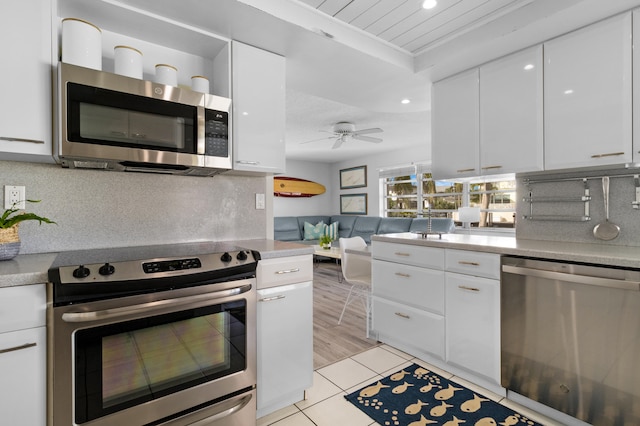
(406, 101)
(528, 67)
(429, 4)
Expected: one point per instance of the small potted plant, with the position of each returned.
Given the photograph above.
(325, 242)
(9, 221)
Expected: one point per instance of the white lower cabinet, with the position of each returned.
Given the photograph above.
(285, 332)
(23, 355)
(407, 328)
(442, 305)
(408, 297)
(473, 324)
(472, 283)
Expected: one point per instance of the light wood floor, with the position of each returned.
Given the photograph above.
(333, 342)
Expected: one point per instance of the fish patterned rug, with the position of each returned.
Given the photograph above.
(416, 396)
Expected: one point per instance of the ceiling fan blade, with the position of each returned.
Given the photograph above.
(338, 143)
(367, 131)
(367, 138)
(316, 140)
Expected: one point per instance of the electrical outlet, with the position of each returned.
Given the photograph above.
(260, 201)
(14, 197)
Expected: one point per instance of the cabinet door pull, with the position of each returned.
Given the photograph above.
(250, 163)
(287, 271)
(464, 287)
(272, 298)
(465, 170)
(17, 348)
(399, 253)
(403, 275)
(6, 138)
(401, 315)
(609, 154)
(491, 167)
(464, 262)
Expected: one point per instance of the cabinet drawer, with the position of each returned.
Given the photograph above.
(428, 257)
(22, 307)
(473, 263)
(412, 327)
(419, 287)
(285, 270)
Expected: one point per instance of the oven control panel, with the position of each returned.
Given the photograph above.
(171, 265)
(157, 267)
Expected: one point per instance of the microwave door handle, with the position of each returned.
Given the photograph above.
(146, 308)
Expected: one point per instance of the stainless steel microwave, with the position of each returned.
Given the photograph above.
(113, 122)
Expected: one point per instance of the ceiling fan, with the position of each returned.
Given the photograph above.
(344, 131)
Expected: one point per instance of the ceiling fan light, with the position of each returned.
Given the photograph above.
(429, 4)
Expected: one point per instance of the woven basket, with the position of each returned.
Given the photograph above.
(9, 243)
(9, 235)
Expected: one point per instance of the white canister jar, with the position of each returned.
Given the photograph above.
(81, 43)
(127, 61)
(200, 84)
(166, 74)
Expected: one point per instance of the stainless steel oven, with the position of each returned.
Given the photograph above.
(152, 336)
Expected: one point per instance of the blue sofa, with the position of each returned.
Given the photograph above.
(291, 228)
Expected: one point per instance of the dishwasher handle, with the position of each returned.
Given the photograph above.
(573, 278)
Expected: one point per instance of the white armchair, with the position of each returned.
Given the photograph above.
(356, 270)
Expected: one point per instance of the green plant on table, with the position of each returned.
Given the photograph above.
(325, 241)
(11, 217)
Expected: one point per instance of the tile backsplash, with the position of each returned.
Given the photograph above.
(562, 188)
(97, 209)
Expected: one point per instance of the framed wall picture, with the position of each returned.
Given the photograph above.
(353, 204)
(355, 177)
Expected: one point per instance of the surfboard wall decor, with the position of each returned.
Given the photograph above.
(296, 187)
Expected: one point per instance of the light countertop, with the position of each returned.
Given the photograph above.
(26, 269)
(603, 254)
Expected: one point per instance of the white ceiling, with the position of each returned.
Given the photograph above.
(354, 60)
(405, 24)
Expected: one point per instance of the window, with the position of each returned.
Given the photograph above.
(411, 192)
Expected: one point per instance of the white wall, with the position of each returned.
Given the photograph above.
(374, 163)
(329, 176)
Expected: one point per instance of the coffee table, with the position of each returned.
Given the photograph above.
(332, 253)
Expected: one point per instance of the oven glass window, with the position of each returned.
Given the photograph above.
(106, 117)
(125, 364)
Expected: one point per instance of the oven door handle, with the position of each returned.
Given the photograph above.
(146, 308)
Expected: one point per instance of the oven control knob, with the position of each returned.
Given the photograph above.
(106, 269)
(226, 257)
(81, 272)
(241, 255)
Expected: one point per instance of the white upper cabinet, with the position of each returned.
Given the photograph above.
(587, 96)
(258, 109)
(511, 114)
(25, 109)
(636, 88)
(455, 126)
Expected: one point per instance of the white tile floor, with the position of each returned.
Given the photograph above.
(325, 404)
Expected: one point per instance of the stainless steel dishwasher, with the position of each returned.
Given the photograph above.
(571, 338)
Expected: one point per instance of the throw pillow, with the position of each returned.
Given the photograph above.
(313, 232)
(331, 230)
